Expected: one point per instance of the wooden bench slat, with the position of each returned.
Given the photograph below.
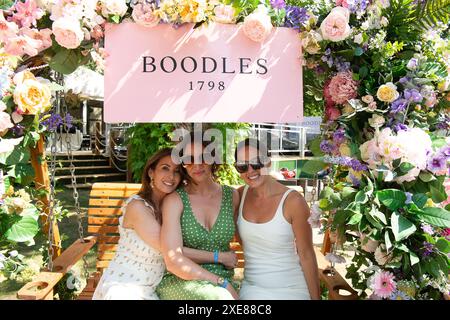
(103, 229)
(107, 247)
(102, 239)
(104, 212)
(103, 221)
(108, 203)
(100, 193)
(116, 186)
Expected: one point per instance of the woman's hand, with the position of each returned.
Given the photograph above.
(228, 259)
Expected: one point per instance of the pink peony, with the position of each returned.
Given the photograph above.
(342, 87)
(383, 284)
(43, 35)
(20, 45)
(332, 113)
(342, 3)
(257, 26)
(27, 13)
(335, 26)
(7, 29)
(68, 32)
(143, 15)
(224, 14)
(326, 94)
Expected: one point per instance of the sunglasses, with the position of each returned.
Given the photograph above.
(242, 167)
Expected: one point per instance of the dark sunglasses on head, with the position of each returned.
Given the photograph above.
(242, 167)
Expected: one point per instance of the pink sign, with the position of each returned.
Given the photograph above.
(210, 74)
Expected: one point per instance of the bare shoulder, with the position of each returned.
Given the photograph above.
(296, 206)
(172, 203)
(137, 212)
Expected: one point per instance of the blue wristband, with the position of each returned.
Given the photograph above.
(224, 284)
(216, 256)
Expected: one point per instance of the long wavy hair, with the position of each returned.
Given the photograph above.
(146, 191)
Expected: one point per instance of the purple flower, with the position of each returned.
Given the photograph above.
(68, 119)
(277, 4)
(339, 136)
(445, 151)
(413, 95)
(427, 249)
(341, 64)
(53, 122)
(399, 105)
(328, 52)
(18, 130)
(355, 181)
(358, 5)
(400, 127)
(437, 163)
(408, 197)
(412, 64)
(404, 80)
(427, 228)
(357, 166)
(327, 147)
(295, 17)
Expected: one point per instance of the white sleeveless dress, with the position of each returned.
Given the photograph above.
(135, 270)
(272, 266)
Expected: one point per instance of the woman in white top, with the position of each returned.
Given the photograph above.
(280, 263)
(138, 266)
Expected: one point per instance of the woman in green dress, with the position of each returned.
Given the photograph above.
(199, 215)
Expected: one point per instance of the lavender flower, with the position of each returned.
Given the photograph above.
(445, 151)
(399, 105)
(355, 164)
(339, 136)
(53, 122)
(341, 64)
(355, 181)
(68, 119)
(427, 249)
(412, 64)
(18, 130)
(399, 127)
(404, 80)
(357, 5)
(408, 197)
(437, 163)
(413, 95)
(427, 228)
(277, 4)
(327, 147)
(295, 17)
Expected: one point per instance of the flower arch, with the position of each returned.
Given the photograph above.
(379, 67)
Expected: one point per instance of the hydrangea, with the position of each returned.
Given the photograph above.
(295, 17)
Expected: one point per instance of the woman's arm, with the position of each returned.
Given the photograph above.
(237, 195)
(172, 245)
(297, 210)
(141, 219)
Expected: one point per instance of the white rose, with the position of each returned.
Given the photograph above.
(376, 121)
(358, 38)
(114, 8)
(384, 22)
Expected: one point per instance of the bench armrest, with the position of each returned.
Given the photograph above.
(42, 286)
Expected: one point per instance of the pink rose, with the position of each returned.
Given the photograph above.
(20, 45)
(143, 15)
(97, 32)
(27, 13)
(332, 113)
(343, 88)
(342, 3)
(335, 26)
(68, 32)
(224, 14)
(257, 26)
(7, 29)
(43, 35)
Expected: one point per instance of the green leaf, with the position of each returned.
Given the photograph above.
(405, 167)
(443, 245)
(348, 193)
(375, 213)
(340, 217)
(361, 197)
(436, 216)
(438, 194)
(426, 177)
(355, 219)
(358, 51)
(24, 230)
(115, 19)
(414, 258)
(23, 173)
(314, 146)
(363, 72)
(65, 61)
(313, 166)
(391, 198)
(401, 227)
(6, 4)
(18, 155)
(420, 199)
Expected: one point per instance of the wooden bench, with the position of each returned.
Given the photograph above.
(104, 211)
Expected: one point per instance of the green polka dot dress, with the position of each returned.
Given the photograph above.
(197, 237)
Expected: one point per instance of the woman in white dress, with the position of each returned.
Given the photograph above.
(138, 265)
(280, 263)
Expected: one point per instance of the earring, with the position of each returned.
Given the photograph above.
(152, 184)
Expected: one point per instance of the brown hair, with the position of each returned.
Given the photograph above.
(146, 190)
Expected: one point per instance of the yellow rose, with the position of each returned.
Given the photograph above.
(387, 92)
(345, 150)
(310, 41)
(32, 97)
(348, 109)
